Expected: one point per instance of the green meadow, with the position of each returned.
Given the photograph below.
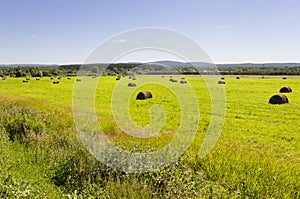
(256, 156)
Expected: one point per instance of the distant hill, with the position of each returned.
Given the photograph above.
(185, 64)
(175, 63)
(23, 65)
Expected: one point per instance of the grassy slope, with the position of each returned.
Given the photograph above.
(257, 154)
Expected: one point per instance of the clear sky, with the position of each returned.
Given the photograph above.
(230, 31)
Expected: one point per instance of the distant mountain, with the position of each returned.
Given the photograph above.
(184, 64)
(34, 65)
(177, 63)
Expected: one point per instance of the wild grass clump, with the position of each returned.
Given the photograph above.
(21, 123)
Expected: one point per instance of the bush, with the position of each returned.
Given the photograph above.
(21, 123)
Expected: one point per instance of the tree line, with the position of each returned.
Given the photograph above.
(136, 68)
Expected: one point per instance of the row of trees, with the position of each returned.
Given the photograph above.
(130, 69)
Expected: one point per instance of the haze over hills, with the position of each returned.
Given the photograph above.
(174, 63)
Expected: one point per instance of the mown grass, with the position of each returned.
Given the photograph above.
(257, 155)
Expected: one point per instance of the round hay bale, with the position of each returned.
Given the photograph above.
(183, 78)
(25, 81)
(278, 99)
(55, 82)
(222, 78)
(78, 80)
(37, 78)
(131, 84)
(130, 77)
(27, 78)
(118, 77)
(183, 82)
(238, 77)
(59, 78)
(283, 77)
(285, 89)
(133, 78)
(221, 82)
(69, 78)
(162, 76)
(144, 95)
(51, 78)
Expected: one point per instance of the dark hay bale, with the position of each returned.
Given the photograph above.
(51, 78)
(183, 82)
(130, 77)
(59, 78)
(162, 76)
(238, 78)
(173, 80)
(131, 84)
(37, 78)
(133, 78)
(278, 99)
(144, 95)
(69, 78)
(55, 82)
(285, 89)
(221, 82)
(25, 81)
(183, 78)
(222, 78)
(118, 77)
(78, 80)
(284, 78)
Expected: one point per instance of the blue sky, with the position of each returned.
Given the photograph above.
(230, 31)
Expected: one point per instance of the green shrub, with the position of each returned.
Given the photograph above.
(21, 123)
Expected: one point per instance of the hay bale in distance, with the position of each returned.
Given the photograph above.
(144, 95)
(221, 82)
(78, 80)
(118, 77)
(278, 99)
(37, 78)
(183, 82)
(222, 78)
(133, 78)
(131, 84)
(285, 89)
(25, 81)
(69, 78)
(51, 78)
(55, 82)
(283, 77)
(238, 77)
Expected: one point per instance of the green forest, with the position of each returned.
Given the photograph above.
(138, 68)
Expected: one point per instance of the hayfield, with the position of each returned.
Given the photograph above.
(256, 156)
